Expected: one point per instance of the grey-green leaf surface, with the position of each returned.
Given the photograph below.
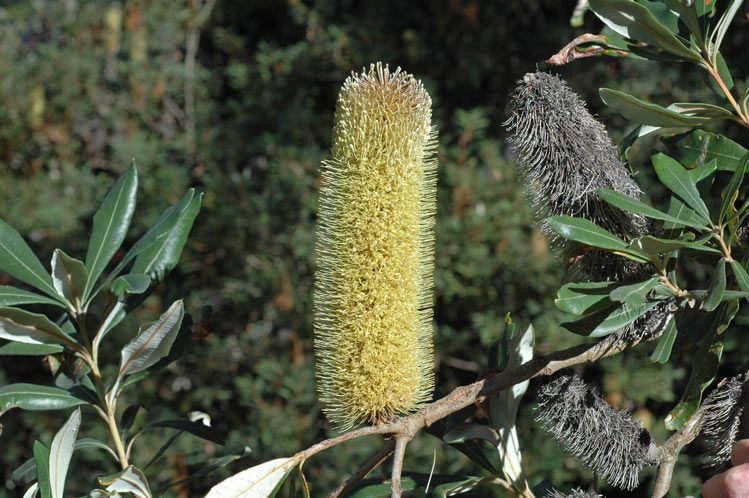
(23, 326)
(636, 22)
(684, 218)
(700, 146)
(584, 297)
(36, 398)
(742, 277)
(647, 113)
(585, 232)
(111, 222)
(26, 349)
(69, 277)
(154, 342)
(32, 491)
(634, 294)
(91, 443)
(260, 481)
(131, 480)
(722, 27)
(732, 189)
(163, 255)
(12, 296)
(60, 453)
(41, 459)
(127, 285)
(662, 351)
(677, 179)
(688, 15)
(608, 321)
(17, 259)
(717, 287)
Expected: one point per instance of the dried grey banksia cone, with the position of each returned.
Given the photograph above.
(723, 410)
(563, 156)
(575, 493)
(606, 440)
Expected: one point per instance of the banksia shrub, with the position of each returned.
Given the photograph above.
(563, 156)
(375, 244)
(606, 440)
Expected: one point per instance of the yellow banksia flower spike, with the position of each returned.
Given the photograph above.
(375, 251)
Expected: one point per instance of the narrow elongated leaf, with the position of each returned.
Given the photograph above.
(260, 481)
(653, 245)
(677, 179)
(60, 453)
(685, 217)
(33, 328)
(26, 472)
(742, 277)
(732, 189)
(127, 285)
(688, 16)
(700, 146)
(198, 429)
(634, 294)
(636, 22)
(111, 222)
(647, 113)
(717, 287)
(583, 298)
(69, 277)
(701, 109)
(41, 459)
(154, 342)
(25, 349)
(722, 27)
(36, 398)
(12, 296)
(585, 232)
(608, 321)
(131, 480)
(662, 351)
(210, 466)
(32, 491)
(157, 232)
(17, 259)
(163, 255)
(87, 443)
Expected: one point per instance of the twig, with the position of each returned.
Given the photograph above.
(570, 52)
(372, 463)
(400, 451)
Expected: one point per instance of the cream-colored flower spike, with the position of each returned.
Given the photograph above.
(375, 251)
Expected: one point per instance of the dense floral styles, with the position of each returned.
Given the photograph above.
(722, 419)
(575, 493)
(563, 156)
(375, 245)
(606, 440)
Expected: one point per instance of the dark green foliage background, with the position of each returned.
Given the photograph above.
(86, 86)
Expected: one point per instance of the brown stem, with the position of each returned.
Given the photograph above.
(372, 463)
(400, 451)
(712, 68)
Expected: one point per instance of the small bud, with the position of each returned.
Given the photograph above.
(375, 251)
(720, 424)
(563, 156)
(606, 440)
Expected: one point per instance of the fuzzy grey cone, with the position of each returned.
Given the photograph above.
(563, 155)
(606, 440)
(575, 493)
(722, 419)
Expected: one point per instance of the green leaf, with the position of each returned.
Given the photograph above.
(163, 255)
(26, 472)
(742, 277)
(662, 351)
(634, 294)
(69, 277)
(704, 367)
(582, 298)
(587, 232)
(717, 287)
(677, 179)
(159, 231)
(127, 285)
(32, 491)
(688, 16)
(130, 480)
(17, 259)
(25, 349)
(111, 222)
(654, 246)
(731, 191)
(154, 342)
(88, 443)
(722, 27)
(61, 452)
(41, 459)
(698, 146)
(210, 466)
(685, 217)
(36, 398)
(647, 113)
(33, 328)
(12, 296)
(636, 22)
(261, 481)
(198, 429)
(608, 321)
(701, 109)
(162, 449)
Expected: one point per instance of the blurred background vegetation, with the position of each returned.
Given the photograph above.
(237, 99)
